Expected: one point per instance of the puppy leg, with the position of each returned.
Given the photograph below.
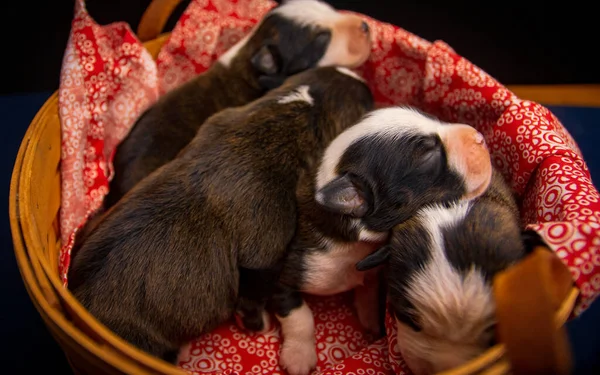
(298, 352)
(252, 315)
(256, 286)
(366, 303)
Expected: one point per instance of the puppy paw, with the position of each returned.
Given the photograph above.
(369, 319)
(368, 316)
(265, 323)
(367, 305)
(259, 322)
(252, 316)
(298, 357)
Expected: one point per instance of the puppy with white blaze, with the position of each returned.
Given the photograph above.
(440, 265)
(374, 175)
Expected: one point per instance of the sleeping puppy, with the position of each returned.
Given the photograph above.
(376, 174)
(162, 266)
(295, 36)
(440, 266)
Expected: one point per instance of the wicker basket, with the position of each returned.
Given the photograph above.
(92, 349)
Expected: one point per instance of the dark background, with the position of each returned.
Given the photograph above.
(516, 42)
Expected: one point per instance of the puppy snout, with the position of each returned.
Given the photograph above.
(364, 27)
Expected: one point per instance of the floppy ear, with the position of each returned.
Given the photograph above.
(343, 197)
(265, 60)
(311, 54)
(374, 259)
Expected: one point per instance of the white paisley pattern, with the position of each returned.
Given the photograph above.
(108, 79)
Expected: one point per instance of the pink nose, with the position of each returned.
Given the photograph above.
(479, 138)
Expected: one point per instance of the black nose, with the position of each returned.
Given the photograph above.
(364, 26)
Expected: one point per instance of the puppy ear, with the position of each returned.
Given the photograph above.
(469, 156)
(374, 259)
(343, 197)
(265, 60)
(311, 54)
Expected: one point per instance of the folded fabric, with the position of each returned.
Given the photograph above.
(108, 79)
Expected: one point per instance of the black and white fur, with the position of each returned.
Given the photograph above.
(439, 270)
(374, 175)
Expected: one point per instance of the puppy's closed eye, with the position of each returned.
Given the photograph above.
(311, 53)
(432, 158)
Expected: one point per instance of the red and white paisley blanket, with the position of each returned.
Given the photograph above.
(108, 79)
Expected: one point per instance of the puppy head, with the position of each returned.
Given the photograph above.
(298, 35)
(395, 161)
(440, 265)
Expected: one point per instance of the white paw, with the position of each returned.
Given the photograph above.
(298, 357)
(368, 317)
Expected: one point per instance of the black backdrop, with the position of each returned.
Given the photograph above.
(517, 42)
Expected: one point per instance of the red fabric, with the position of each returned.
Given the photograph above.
(108, 79)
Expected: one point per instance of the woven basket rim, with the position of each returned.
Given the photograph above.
(25, 238)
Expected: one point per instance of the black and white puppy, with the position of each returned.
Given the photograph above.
(162, 266)
(439, 269)
(374, 175)
(294, 36)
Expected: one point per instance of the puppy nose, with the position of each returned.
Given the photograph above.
(364, 27)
